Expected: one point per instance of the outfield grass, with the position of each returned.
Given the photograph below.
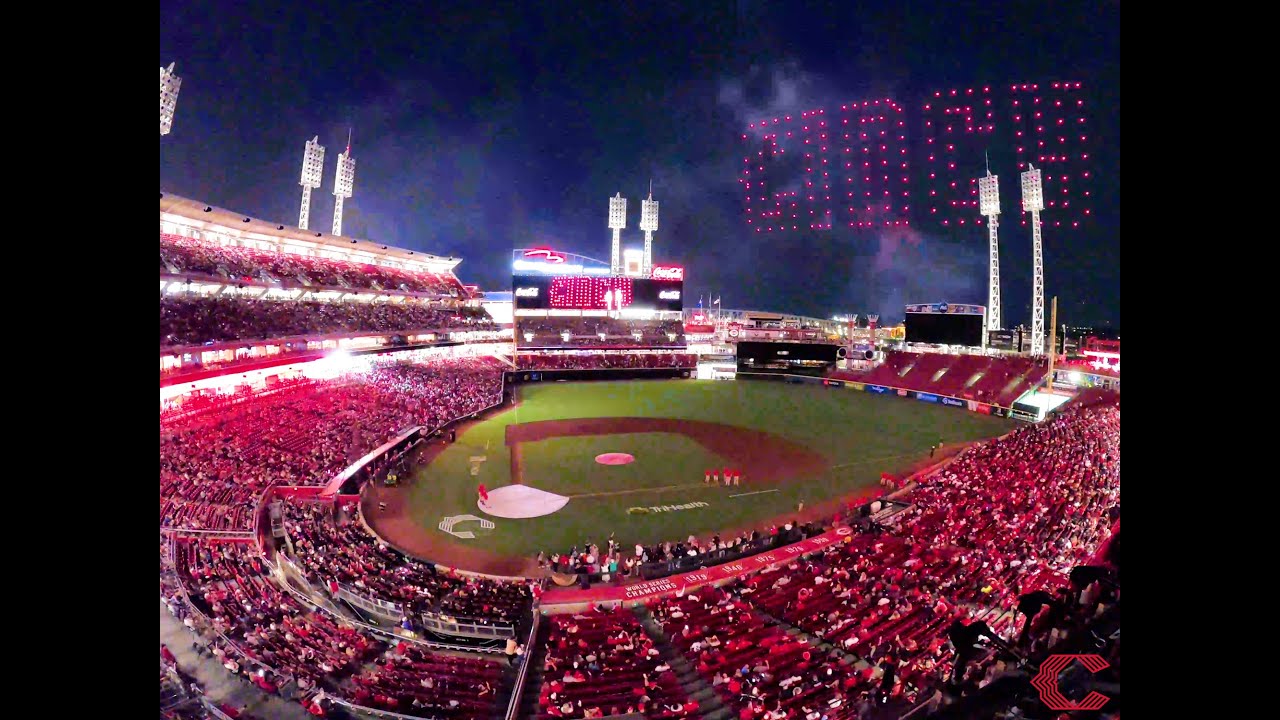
(860, 434)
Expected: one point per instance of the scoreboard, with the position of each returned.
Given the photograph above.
(594, 292)
(946, 324)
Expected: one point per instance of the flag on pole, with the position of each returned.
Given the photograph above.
(717, 302)
(699, 301)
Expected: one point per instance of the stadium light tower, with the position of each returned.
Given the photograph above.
(312, 171)
(649, 224)
(169, 86)
(1033, 202)
(989, 200)
(343, 179)
(617, 221)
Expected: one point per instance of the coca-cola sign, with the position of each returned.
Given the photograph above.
(668, 272)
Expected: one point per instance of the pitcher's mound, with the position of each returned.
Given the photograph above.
(615, 459)
(522, 501)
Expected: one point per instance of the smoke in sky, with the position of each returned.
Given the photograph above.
(862, 270)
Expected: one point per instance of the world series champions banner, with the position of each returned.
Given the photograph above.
(644, 591)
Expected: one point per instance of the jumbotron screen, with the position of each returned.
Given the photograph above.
(544, 292)
(945, 325)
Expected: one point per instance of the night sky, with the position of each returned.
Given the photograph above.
(482, 127)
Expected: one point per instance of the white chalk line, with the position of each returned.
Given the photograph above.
(757, 492)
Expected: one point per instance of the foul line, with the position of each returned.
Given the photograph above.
(758, 492)
(614, 493)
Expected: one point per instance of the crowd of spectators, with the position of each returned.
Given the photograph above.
(617, 563)
(602, 663)
(190, 319)
(269, 635)
(334, 554)
(1004, 518)
(214, 466)
(598, 332)
(647, 361)
(412, 681)
(1007, 517)
(186, 256)
(757, 669)
(266, 637)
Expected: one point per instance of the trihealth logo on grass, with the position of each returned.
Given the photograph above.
(665, 508)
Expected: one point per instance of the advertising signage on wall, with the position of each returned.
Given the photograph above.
(953, 402)
(541, 292)
(926, 397)
(946, 309)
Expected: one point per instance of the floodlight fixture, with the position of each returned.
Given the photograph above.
(170, 84)
(617, 221)
(343, 181)
(312, 171)
(1033, 202)
(989, 203)
(649, 224)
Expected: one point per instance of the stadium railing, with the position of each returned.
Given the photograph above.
(205, 622)
(465, 629)
(208, 534)
(361, 710)
(380, 608)
(658, 570)
(380, 631)
(517, 691)
(213, 710)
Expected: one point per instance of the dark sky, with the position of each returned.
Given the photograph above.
(481, 127)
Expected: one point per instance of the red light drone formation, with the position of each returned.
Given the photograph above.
(860, 164)
(852, 169)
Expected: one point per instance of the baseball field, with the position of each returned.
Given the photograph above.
(546, 457)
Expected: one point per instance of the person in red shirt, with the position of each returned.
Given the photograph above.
(167, 655)
(484, 495)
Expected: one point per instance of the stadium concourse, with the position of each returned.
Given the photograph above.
(277, 601)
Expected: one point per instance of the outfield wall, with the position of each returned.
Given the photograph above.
(949, 401)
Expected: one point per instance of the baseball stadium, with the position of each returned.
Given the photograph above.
(388, 493)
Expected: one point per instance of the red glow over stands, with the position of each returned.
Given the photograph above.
(188, 257)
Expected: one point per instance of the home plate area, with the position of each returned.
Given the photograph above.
(521, 501)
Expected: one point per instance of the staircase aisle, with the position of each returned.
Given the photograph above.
(709, 703)
(536, 656)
